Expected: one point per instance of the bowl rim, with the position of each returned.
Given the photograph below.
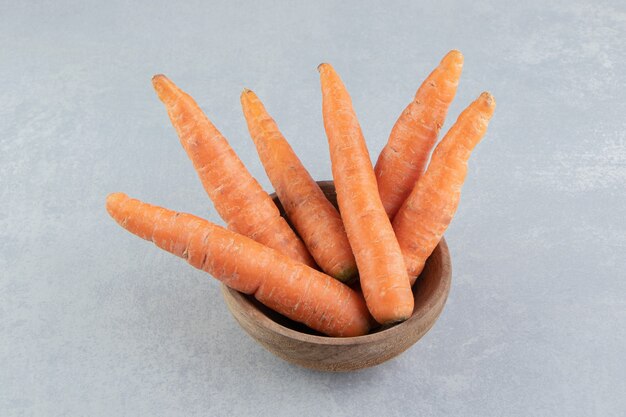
(439, 293)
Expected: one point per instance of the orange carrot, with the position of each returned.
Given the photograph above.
(317, 221)
(239, 199)
(281, 283)
(382, 271)
(427, 212)
(404, 158)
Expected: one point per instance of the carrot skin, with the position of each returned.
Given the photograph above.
(382, 271)
(414, 134)
(428, 211)
(281, 283)
(317, 221)
(238, 197)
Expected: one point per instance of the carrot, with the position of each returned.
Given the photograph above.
(427, 212)
(382, 271)
(317, 221)
(239, 199)
(281, 283)
(404, 158)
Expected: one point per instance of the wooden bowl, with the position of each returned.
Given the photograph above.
(300, 345)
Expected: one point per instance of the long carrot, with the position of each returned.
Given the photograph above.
(239, 199)
(427, 212)
(281, 283)
(382, 271)
(414, 134)
(317, 221)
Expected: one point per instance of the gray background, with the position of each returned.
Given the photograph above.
(94, 321)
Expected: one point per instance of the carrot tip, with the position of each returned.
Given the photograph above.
(158, 79)
(246, 92)
(158, 82)
(114, 199)
(488, 99)
(454, 57)
(321, 66)
(165, 88)
(115, 196)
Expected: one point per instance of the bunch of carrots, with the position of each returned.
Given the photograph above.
(390, 219)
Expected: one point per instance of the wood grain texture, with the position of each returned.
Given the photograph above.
(302, 346)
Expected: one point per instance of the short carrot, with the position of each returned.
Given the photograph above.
(239, 199)
(281, 283)
(427, 212)
(382, 271)
(317, 221)
(414, 134)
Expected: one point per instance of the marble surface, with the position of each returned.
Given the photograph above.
(94, 321)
